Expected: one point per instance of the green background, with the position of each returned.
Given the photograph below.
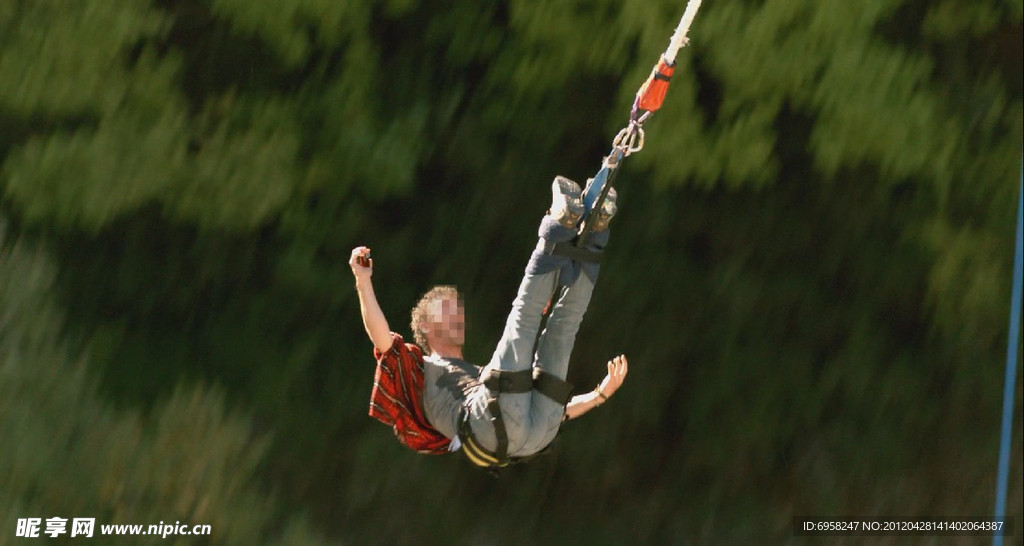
(810, 270)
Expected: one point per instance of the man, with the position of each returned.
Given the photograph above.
(512, 408)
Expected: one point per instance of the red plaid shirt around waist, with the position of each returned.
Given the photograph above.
(397, 397)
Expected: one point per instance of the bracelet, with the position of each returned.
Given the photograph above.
(604, 398)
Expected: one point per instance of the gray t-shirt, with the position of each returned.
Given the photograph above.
(446, 384)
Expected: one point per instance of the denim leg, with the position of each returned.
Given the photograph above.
(515, 349)
(553, 351)
(532, 419)
(515, 353)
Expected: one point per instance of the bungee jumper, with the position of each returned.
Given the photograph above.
(511, 409)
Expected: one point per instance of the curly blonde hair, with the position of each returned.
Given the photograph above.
(421, 313)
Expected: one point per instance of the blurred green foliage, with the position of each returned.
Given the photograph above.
(810, 270)
(69, 454)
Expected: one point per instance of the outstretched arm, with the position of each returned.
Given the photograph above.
(373, 318)
(582, 403)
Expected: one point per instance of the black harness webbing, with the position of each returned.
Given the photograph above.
(551, 386)
(577, 253)
(500, 434)
(497, 382)
(504, 381)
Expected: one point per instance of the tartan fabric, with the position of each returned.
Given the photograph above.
(397, 397)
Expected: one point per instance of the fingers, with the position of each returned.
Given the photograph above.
(360, 257)
(360, 262)
(356, 252)
(618, 367)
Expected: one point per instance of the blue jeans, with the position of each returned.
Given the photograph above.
(532, 419)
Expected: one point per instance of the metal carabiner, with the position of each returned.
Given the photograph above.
(630, 139)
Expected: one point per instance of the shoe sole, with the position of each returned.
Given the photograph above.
(567, 193)
(607, 212)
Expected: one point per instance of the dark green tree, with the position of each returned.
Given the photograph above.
(810, 270)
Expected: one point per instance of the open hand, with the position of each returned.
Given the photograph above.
(617, 369)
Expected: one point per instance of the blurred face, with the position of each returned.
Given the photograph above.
(447, 322)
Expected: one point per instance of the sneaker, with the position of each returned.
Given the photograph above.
(607, 211)
(566, 202)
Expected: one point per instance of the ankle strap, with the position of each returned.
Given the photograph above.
(576, 253)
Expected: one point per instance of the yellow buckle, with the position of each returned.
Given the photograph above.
(478, 455)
